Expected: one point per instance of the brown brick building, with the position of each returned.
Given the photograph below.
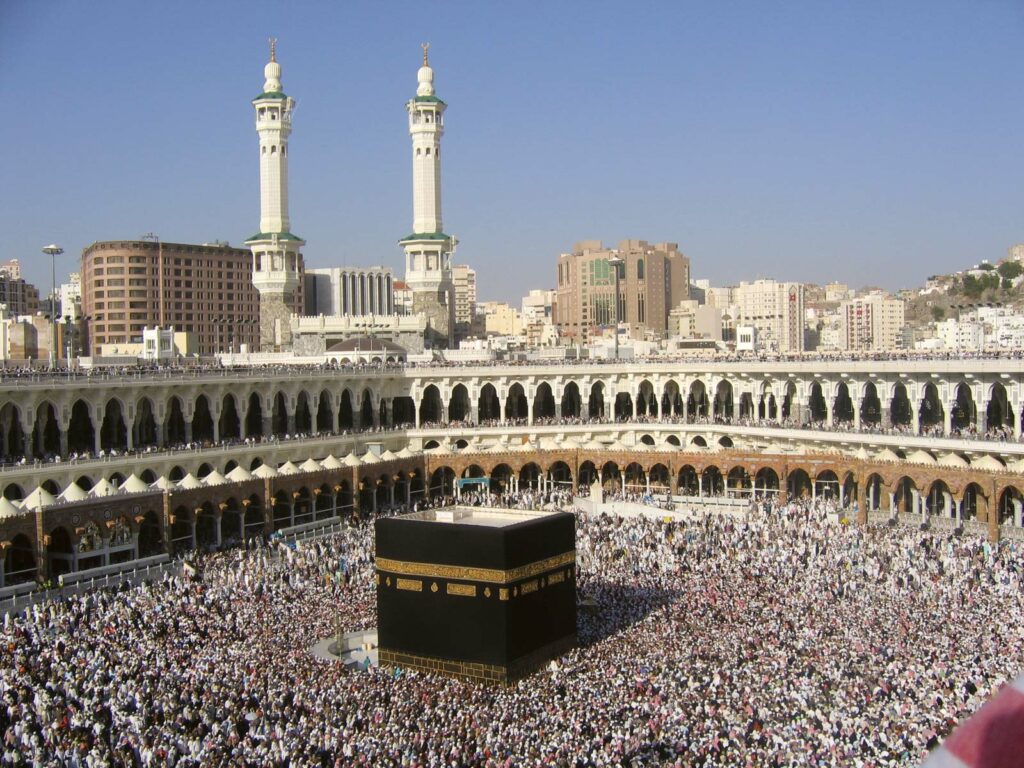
(653, 280)
(19, 297)
(128, 285)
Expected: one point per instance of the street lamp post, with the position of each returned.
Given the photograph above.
(53, 251)
(615, 262)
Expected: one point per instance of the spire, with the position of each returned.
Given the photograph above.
(272, 72)
(425, 76)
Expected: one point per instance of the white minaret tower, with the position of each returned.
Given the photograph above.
(428, 250)
(277, 264)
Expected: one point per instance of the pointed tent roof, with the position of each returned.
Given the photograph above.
(388, 456)
(163, 483)
(921, 457)
(38, 499)
(288, 469)
(988, 462)
(860, 453)
(405, 453)
(9, 508)
(103, 488)
(887, 454)
(239, 474)
(952, 460)
(189, 481)
(214, 478)
(73, 492)
(352, 461)
(310, 465)
(134, 484)
(369, 458)
(264, 471)
(1014, 466)
(441, 450)
(331, 463)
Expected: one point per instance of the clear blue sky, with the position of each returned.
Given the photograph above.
(869, 142)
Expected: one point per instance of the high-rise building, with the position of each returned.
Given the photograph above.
(464, 283)
(428, 250)
(872, 323)
(71, 297)
(775, 309)
(19, 297)
(276, 261)
(11, 268)
(652, 280)
(207, 290)
(336, 291)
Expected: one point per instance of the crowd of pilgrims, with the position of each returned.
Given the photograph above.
(777, 638)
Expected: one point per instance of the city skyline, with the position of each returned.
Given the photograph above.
(800, 145)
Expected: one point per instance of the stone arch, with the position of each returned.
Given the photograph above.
(798, 484)
(595, 402)
(403, 411)
(611, 477)
(13, 492)
(174, 424)
(723, 405)
(905, 495)
(430, 406)
(254, 417)
(366, 410)
(11, 431)
(634, 478)
(46, 435)
(144, 428)
(816, 406)
(686, 481)
(544, 402)
(1011, 502)
(931, 413)
(113, 431)
(572, 403)
(561, 474)
(346, 414)
(59, 551)
(202, 421)
(279, 415)
(647, 439)
(842, 406)
(697, 404)
(739, 481)
(969, 503)
(646, 400)
(766, 480)
(229, 425)
(303, 414)
(789, 402)
(501, 479)
(939, 501)
(661, 478)
(81, 433)
(963, 413)
(672, 399)
(529, 476)
(870, 405)
(458, 404)
(699, 441)
(587, 474)
(488, 407)
(712, 482)
(515, 403)
(442, 482)
(182, 530)
(623, 406)
(999, 412)
(768, 407)
(725, 441)
(826, 485)
(177, 473)
(324, 413)
(746, 408)
(874, 487)
(901, 412)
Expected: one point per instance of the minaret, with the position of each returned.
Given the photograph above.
(277, 264)
(428, 250)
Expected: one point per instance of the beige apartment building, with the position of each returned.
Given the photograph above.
(464, 280)
(653, 279)
(202, 289)
(775, 309)
(872, 323)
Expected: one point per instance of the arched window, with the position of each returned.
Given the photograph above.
(639, 269)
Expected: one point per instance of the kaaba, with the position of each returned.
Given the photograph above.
(488, 594)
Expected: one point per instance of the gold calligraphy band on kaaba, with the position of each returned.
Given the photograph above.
(464, 573)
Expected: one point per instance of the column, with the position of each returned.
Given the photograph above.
(892, 504)
(217, 518)
(947, 504)
(314, 415)
(842, 496)
(1017, 508)
(915, 417)
(291, 511)
(529, 410)
(647, 481)
(188, 430)
(700, 483)
(917, 506)
(856, 417)
(215, 416)
(885, 417)
(947, 419)
(829, 407)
